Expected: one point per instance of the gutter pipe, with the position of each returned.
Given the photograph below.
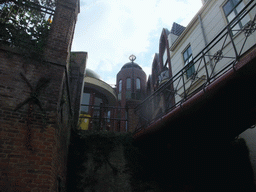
(205, 42)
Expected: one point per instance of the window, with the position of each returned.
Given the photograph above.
(97, 101)
(85, 101)
(128, 83)
(108, 116)
(165, 57)
(120, 85)
(128, 88)
(138, 84)
(187, 56)
(231, 10)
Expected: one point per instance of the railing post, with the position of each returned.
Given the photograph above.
(184, 87)
(232, 41)
(205, 65)
(100, 117)
(126, 118)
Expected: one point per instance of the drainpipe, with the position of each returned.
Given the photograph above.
(205, 42)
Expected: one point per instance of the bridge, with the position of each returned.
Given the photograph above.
(184, 129)
(223, 105)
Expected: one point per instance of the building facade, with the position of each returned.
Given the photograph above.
(98, 103)
(131, 89)
(211, 19)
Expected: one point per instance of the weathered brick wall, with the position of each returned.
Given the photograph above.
(62, 30)
(29, 141)
(35, 110)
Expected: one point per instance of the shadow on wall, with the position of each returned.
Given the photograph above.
(97, 162)
(105, 161)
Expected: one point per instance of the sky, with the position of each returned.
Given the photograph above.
(112, 30)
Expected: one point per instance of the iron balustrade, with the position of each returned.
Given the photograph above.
(228, 46)
(104, 120)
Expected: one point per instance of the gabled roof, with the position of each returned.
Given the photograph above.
(177, 29)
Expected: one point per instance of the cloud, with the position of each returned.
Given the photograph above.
(111, 30)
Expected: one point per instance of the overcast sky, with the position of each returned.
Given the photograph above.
(111, 30)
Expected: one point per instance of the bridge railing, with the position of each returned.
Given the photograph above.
(215, 59)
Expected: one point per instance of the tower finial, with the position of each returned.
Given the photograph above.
(132, 58)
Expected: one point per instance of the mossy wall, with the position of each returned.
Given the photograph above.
(97, 162)
(106, 161)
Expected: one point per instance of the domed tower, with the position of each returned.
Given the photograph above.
(131, 89)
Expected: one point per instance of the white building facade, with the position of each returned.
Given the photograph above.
(226, 42)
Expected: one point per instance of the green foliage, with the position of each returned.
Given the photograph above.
(24, 23)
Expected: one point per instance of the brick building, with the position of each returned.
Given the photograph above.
(36, 105)
(131, 90)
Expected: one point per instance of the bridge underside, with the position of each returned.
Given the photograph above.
(191, 144)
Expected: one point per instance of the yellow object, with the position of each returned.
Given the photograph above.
(84, 121)
(50, 19)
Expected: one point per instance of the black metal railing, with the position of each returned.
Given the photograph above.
(215, 59)
(26, 23)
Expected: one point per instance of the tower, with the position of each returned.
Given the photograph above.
(131, 89)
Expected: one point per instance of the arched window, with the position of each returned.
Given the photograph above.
(120, 85)
(128, 83)
(165, 58)
(138, 84)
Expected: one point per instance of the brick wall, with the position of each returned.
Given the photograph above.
(123, 74)
(35, 112)
(29, 137)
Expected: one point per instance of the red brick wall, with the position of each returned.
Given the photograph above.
(28, 154)
(34, 144)
(124, 74)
